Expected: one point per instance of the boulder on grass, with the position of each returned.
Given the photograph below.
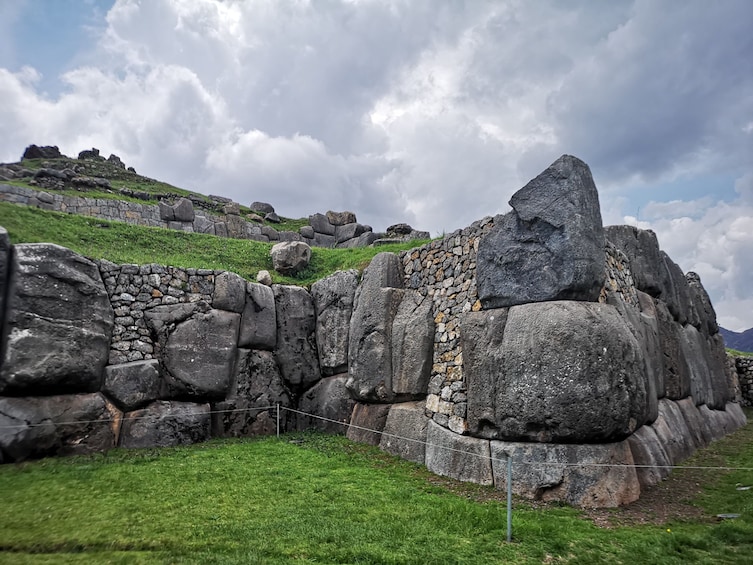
(166, 424)
(290, 257)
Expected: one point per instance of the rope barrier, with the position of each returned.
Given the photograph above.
(382, 433)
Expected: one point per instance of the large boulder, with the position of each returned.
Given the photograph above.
(341, 218)
(290, 257)
(673, 433)
(702, 305)
(568, 372)
(5, 248)
(229, 292)
(404, 433)
(367, 423)
(183, 210)
(262, 207)
(259, 320)
(250, 408)
(676, 370)
(330, 400)
(41, 152)
(56, 425)
(133, 385)
(412, 346)
(59, 323)
(333, 298)
(649, 456)
(550, 247)
(676, 293)
(199, 355)
(588, 476)
(322, 225)
(296, 336)
(166, 424)
(642, 250)
(462, 458)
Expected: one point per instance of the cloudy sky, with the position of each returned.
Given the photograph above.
(427, 112)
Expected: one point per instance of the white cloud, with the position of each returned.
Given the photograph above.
(429, 112)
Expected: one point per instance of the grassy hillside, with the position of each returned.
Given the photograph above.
(309, 498)
(123, 243)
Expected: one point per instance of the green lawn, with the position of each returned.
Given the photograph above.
(310, 498)
(124, 243)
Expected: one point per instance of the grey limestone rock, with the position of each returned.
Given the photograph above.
(333, 300)
(676, 370)
(673, 432)
(553, 372)
(272, 218)
(695, 421)
(321, 224)
(183, 210)
(306, 231)
(231, 209)
(367, 423)
(676, 293)
(56, 425)
(348, 231)
(341, 218)
(329, 399)
(199, 355)
(290, 257)
(462, 458)
(702, 304)
(263, 277)
(202, 224)
(59, 323)
(649, 456)
(250, 407)
(642, 250)
(296, 336)
(404, 433)
(581, 475)
(259, 320)
(262, 207)
(550, 247)
(166, 424)
(324, 240)
(133, 385)
(229, 292)
(5, 259)
(41, 152)
(412, 346)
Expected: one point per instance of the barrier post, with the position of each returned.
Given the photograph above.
(509, 498)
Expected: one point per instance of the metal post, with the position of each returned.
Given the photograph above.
(509, 498)
(278, 420)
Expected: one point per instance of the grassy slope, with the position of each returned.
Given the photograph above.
(123, 243)
(322, 499)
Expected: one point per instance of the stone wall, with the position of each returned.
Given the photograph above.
(334, 229)
(577, 350)
(744, 368)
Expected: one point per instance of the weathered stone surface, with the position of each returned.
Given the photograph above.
(202, 224)
(259, 320)
(58, 323)
(673, 432)
(460, 457)
(296, 336)
(324, 240)
(5, 250)
(575, 474)
(329, 399)
(250, 407)
(133, 385)
(702, 304)
(412, 346)
(200, 353)
(649, 456)
(550, 247)
(321, 224)
(183, 210)
(370, 347)
(229, 292)
(676, 370)
(561, 372)
(263, 277)
(333, 299)
(723, 382)
(384, 271)
(693, 348)
(306, 231)
(348, 231)
(41, 152)
(165, 424)
(367, 423)
(404, 433)
(642, 250)
(341, 218)
(272, 217)
(56, 425)
(676, 293)
(695, 421)
(231, 209)
(262, 207)
(290, 257)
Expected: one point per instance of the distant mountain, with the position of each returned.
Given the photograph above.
(740, 341)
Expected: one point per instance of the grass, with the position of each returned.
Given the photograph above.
(123, 243)
(323, 499)
(736, 353)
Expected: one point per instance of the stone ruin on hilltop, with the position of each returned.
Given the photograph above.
(582, 352)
